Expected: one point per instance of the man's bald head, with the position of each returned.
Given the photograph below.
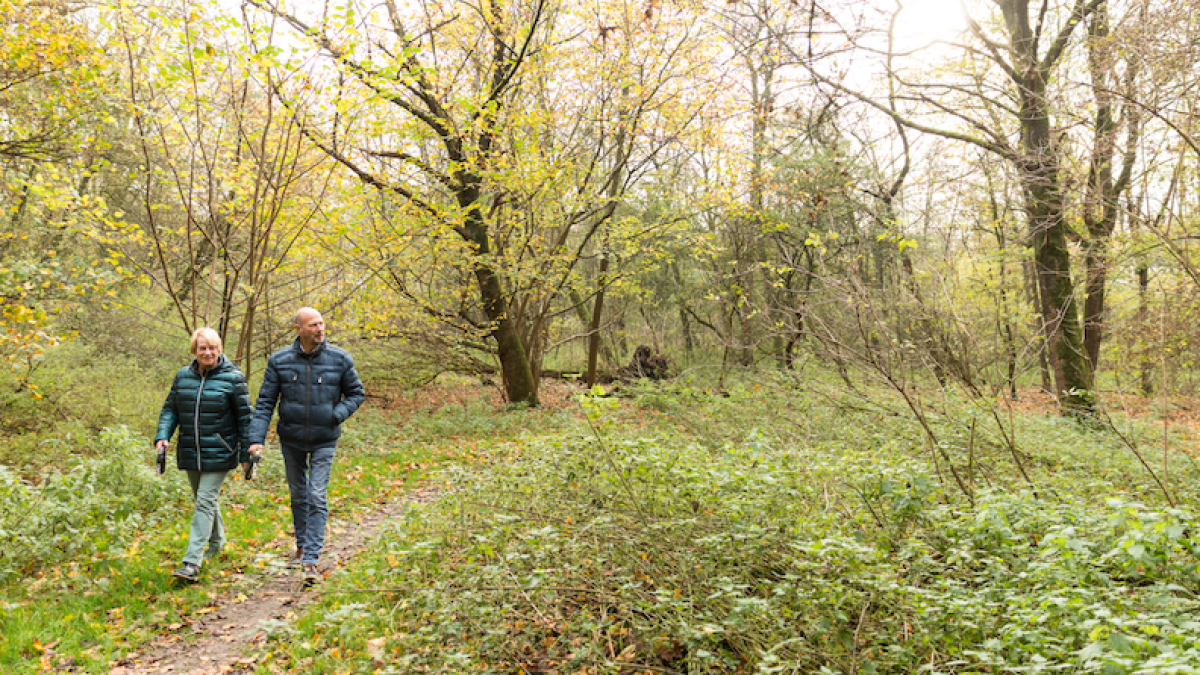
(310, 327)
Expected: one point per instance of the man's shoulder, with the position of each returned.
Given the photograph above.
(282, 351)
(283, 354)
(337, 351)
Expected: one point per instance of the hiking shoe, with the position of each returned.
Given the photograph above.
(189, 573)
(311, 575)
(297, 556)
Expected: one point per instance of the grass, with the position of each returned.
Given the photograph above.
(98, 608)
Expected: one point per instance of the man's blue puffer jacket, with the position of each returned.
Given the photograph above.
(212, 412)
(316, 392)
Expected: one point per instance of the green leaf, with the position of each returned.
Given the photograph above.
(1120, 644)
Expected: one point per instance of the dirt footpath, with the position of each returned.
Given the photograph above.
(217, 643)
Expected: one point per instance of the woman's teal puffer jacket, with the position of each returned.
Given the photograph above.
(212, 413)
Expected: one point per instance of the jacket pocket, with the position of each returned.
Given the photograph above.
(289, 387)
(327, 391)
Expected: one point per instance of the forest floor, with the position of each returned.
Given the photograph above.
(231, 637)
(1182, 415)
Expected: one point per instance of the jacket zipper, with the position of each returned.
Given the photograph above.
(308, 402)
(196, 424)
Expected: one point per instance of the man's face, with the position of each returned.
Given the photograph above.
(311, 328)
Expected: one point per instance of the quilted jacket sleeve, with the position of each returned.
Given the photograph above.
(264, 407)
(352, 393)
(243, 413)
(168, 419)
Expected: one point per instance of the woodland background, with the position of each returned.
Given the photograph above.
(525, 186)
(864, 235)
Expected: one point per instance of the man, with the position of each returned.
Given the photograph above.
(317, 389)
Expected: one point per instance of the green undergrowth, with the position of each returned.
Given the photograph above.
(85, 573)
(779, 528)
(55, 411)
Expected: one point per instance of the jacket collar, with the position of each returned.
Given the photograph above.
(299, 348)
(222, 365)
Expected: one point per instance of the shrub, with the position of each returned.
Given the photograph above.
(96, 506)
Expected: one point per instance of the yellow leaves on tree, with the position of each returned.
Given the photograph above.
(47, 62)
(49, 69)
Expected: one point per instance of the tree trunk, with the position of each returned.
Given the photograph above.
(1004, 324)
(593, 351)
(685, 319)
(585, 320)
(1094, 300)
(246, 337)
(1100, 207)
(1039, 171)
(1053, 268)
(519, 383)
(1035, 299)
(1143, 313)
(613, 192)
(519, 386)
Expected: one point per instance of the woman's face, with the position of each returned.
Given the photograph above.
(206, 354)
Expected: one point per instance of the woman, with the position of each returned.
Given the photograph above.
(210, 405)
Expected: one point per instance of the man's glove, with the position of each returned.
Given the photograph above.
(160, 463)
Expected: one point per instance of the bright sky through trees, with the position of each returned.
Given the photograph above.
(925, 21)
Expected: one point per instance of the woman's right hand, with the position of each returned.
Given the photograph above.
(161, 444)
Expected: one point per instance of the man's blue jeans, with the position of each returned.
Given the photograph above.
(308, 480)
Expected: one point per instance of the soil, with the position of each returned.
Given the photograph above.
(218, 643)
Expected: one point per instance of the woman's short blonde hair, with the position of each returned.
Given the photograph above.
(208, 335)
